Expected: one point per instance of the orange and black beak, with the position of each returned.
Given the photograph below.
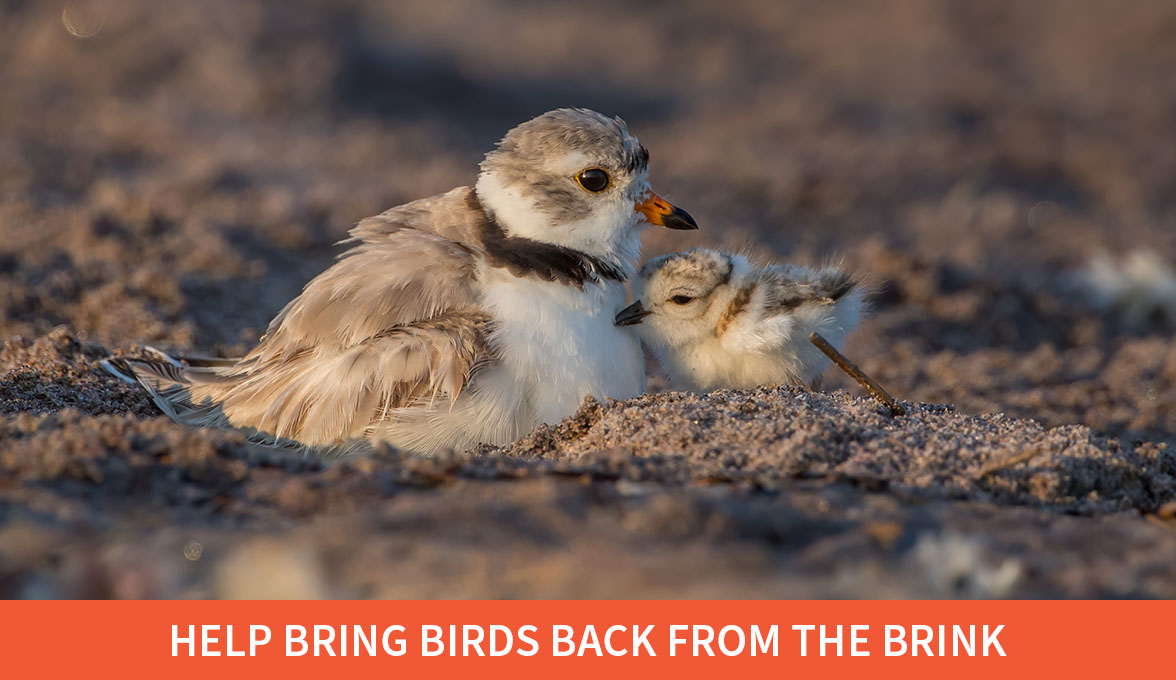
(661, 212)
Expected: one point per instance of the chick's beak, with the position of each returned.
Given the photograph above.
(631, 315)
(661, 212)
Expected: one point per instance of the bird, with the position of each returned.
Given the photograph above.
(465, 318)
(714, 320)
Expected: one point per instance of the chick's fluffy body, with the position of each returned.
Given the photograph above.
(718, 321)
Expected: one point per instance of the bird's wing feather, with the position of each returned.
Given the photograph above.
(408, 264)
(393, 323)
(791, 286)
(766, 316)
(798, 300)
(325, 396)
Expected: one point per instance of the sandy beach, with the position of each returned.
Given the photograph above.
(1000, 173)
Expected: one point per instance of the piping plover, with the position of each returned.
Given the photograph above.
(472, 316)
(715, 320)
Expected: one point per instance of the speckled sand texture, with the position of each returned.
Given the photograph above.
(175, 178)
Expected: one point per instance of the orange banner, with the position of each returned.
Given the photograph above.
(225, 640)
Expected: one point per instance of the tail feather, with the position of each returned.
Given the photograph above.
(192, 362)
(119, 369)
(162, 357)
(168, 381)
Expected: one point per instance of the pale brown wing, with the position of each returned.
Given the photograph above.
(393, 323)
(408, 264)
(323, 398)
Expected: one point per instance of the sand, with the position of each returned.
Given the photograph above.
(176, 177)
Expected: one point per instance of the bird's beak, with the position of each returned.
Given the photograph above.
(661, 212)
(631, 315)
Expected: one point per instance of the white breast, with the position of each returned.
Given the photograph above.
(558, 344)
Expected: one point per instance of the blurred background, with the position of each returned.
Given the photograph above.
(1002, 171)
(174, 172)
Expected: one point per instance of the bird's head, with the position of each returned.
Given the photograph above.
(683, 296)
(577, 179)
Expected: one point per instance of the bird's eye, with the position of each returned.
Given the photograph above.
(594, 180)
(681, 299)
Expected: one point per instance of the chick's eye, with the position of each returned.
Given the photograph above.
(594, 180)
(681, 299)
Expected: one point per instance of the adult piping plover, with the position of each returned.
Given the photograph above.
(472, 316)
(715, 320)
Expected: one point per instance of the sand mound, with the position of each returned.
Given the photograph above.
(771, 492)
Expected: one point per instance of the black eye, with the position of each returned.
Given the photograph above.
(594, 180)
(681, 299)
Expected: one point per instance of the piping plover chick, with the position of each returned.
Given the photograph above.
(471, 316)
(715, 320)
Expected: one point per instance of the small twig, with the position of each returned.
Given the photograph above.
(856, 373)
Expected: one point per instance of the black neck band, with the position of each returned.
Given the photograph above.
(546, 261)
